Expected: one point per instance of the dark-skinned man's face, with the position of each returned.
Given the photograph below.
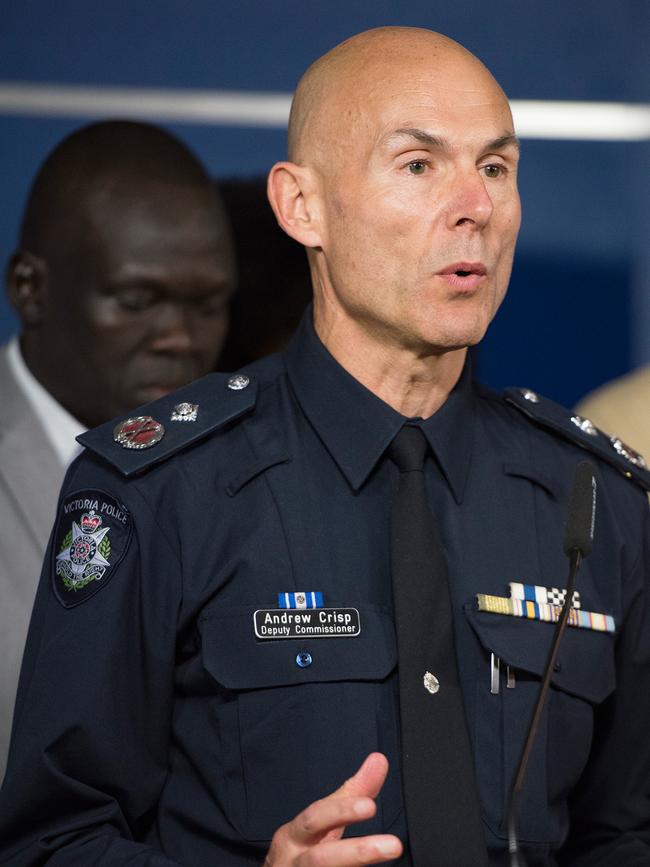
(138, 306)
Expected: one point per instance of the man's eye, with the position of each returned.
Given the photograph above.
(136, 298)
(417, 167)
(213, 305)
(494, 170)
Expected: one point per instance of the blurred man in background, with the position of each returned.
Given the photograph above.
(121, 282)
(620, 407)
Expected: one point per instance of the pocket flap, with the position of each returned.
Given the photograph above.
(238, 660)
(585, 664)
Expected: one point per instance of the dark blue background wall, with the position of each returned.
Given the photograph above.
(578, 311)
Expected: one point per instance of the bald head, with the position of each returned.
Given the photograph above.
(332, 95)
(401, 183)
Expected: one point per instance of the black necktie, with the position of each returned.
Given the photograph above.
(442, 810)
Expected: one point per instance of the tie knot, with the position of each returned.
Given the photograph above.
(408, 449)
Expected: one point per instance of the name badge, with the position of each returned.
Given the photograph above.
(273, 623)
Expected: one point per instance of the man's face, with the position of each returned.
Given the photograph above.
(139, 307)
(420, 204)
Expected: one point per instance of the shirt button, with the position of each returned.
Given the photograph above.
(303, 659)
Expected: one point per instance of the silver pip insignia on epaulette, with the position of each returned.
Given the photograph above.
(585, 425)
(185, 412)
(582, 431)
(628, 453)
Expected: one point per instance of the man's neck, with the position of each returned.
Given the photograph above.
(59, 426)
(415, 384)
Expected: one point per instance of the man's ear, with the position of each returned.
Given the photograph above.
(26, 279)
(293, 194)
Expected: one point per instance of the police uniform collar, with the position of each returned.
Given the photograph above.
(357, 427)
(450, 432)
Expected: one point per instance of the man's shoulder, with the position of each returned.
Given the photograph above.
(622, 407)
(14, 402)
(157, 431)
(633, 387)
(555, 424)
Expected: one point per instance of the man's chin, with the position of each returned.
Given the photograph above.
(154, 392)
(146, 394)
(462, 336)
(451, 341)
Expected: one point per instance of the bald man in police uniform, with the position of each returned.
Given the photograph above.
(174, 709)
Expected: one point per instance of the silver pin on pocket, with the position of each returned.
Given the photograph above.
(511, 683)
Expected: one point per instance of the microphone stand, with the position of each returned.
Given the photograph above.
(516, 857)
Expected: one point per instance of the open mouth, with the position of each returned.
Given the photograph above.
(464, 276)
(464, 269)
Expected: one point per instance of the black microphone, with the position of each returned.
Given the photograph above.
(578, 539)
(581, 514)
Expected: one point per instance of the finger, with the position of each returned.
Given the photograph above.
(369, 779)
(329, 814)
(352, 852)
(352, 802)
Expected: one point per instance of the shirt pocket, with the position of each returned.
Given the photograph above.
(584, 676)
(291, 734)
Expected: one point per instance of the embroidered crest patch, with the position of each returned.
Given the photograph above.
(92, 534)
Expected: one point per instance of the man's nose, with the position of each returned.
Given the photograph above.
(470, 203)
(173, 330)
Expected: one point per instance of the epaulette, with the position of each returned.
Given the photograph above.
(581, 431)
(153, 432)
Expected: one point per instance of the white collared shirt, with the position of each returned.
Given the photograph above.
(61, 428)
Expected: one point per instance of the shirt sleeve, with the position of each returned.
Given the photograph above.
(91, 730)
(610, 809)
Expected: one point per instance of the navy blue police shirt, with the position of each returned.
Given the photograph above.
(173, 711)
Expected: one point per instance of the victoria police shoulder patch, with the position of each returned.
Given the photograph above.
(92, 535)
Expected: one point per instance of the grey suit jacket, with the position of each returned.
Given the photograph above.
(30, 477)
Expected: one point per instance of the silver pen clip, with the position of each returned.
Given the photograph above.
(495, 665)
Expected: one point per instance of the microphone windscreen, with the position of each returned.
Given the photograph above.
(581, 514)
